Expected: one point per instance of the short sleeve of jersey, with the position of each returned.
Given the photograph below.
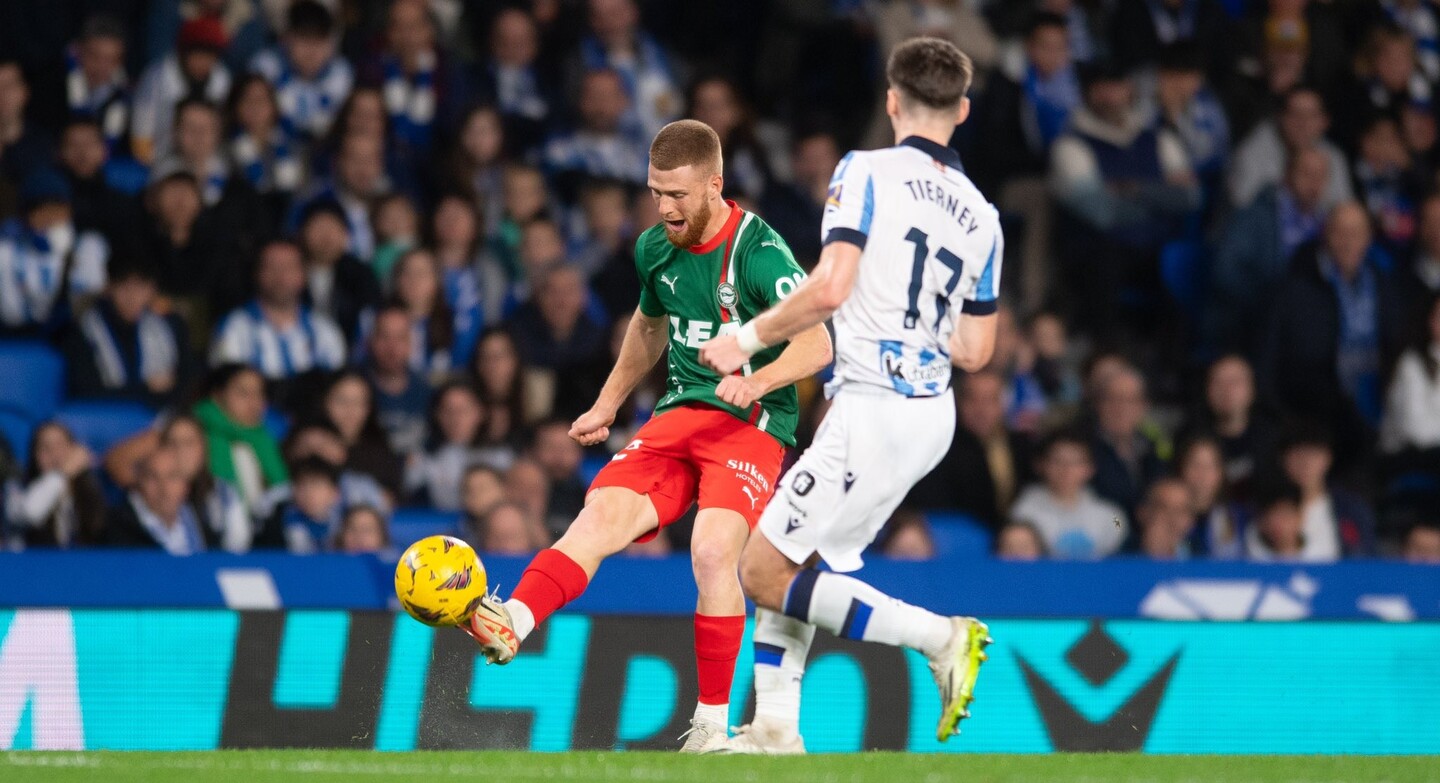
(850, 202)
(771, 272)
(982, 296)
(649, 303)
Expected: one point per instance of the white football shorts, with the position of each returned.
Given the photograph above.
(871, 448)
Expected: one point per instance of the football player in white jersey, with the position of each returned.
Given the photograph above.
(910, 273)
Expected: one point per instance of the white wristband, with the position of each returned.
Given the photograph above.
(749, 339)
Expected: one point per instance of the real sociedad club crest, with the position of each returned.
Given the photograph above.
(726, 295)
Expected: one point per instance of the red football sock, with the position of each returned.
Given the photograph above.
(550, 581)
(717, 645)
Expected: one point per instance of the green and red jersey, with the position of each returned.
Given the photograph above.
(710, 290)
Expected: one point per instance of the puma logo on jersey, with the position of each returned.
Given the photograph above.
(753, 497)
(670, 282)
(769, 243)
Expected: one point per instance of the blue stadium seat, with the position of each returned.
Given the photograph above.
(101, 425)
(16, 430)
(277, 423)
(409, 525)
(958, 535)
(33, 376)
(591, 465)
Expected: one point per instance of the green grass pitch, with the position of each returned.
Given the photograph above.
(435, 767)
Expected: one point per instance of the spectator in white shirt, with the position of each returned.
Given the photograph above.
(1073, 521)
(57, 503)
(1412, 410)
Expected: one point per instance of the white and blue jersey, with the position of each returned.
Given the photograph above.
(246, 336)
(932, 248)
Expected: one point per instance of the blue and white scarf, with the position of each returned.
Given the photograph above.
(411, 99)
(307, 106)
(182, 538)
(1050, 100)
(158, 352)
(1423, 25)
(305, 535)
(1358, 353)
(271, 167)
(108, 104)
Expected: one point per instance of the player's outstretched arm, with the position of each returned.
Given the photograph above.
(973, 341)
(811, 304)
(807, 354)
(643, 344)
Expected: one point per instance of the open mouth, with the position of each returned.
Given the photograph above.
(676, 226)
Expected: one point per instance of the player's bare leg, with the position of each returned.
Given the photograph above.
(715, 548)
(848, 607)
(611, 519)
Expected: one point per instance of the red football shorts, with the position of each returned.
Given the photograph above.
(700, 453)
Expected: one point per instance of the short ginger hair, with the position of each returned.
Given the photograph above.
(686, 143)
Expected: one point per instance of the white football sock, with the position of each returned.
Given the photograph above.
(781, 646)
(717, 714)
(521, 617)
(848, 607)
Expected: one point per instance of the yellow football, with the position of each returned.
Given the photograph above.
(439, 581)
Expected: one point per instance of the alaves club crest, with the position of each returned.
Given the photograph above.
(726, 295)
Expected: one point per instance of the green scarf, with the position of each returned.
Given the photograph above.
(221, 434)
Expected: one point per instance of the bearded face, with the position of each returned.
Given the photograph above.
(682, 201)
(685, 231)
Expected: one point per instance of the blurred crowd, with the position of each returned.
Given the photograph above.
(360, 256)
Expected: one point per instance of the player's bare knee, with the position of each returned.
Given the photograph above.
(762, 584)
(713, 564)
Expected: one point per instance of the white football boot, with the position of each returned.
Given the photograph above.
(765, 737)
(956, 667)
(704, 737)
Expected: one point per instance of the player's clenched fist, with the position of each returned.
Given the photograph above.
(738, 390)
(723, 355)
(592, 427)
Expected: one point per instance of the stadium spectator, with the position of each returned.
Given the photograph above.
(987, 463)
(397, 231)
(318, 437)
(310, 78)
(1165, 520)
(198, 150)
(440, 336)
(1422, 544)
(1336, 321)
(121, 348)
(1125, 185)
(1026, 405)
(204, 269)
(23, 144)
(434, 477)
(96, 204)
(552, 449)
(1074, 522)
(605, 238)
(1385, 78)
(1412, 409)
(1279, 530)
(504, 389)
(601, 145)
(194, 70)
(156, 514)
(1422, 275)
(528, 486)
(506, 529)
(96, 87)
(1020, 541)
(1387, 183)
(1216, 524)
(1260, 157)
(423, 88)
(1336, 522)
(617, 44)
(476, 165)
(1256, 244)
(794, 208)
(554, 332)
(242, 451)
(363, 531)
(1125, 459)
(482, 488)
(513, 82)
(276, 333)
(309, 521)
(337, 285)
(1186, 105)
(1056, 367)
(265, 153)
(1230, 413)
(525, 198)
(51, 270)
(56, 501)
(716, 102)
(357, 183)
(347, 403)
(456, 228)
(224, 520)
(907, 537)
